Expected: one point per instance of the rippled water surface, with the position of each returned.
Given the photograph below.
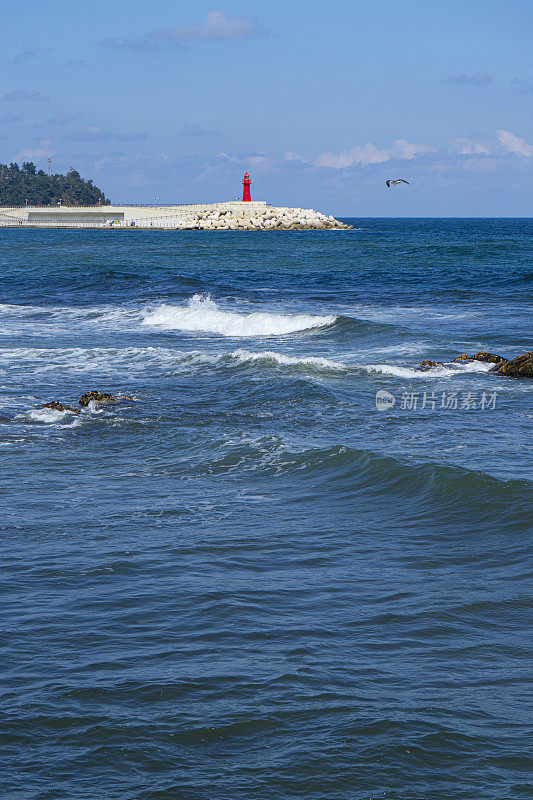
(243, 580)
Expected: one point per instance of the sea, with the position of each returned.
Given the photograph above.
(285, 563)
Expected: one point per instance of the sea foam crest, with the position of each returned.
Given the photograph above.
(436, 372)
(202, 314)
(49, 416)
(270, 356)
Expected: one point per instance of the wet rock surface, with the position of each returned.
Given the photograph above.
(519, 367)
(426, 365)
(93, 395)
(60, 407)
(483, 356)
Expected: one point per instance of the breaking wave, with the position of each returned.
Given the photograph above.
(49, 416)
(115, 361)
(164, 360)
(445, 371)
(203, 315)
(271, 358)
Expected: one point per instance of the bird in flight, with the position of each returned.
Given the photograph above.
(399, 180)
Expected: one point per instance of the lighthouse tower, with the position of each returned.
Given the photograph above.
(246, 181)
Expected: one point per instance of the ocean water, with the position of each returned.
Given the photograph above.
(244, 580)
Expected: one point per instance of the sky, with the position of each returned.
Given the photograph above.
(320, 102)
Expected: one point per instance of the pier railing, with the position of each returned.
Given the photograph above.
(7, 221)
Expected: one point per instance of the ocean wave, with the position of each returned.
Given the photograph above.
(271, 358)
(119, 361)
(372, 474)
(165, 360)
(403, 315)
(61, 313)
(49, 416)
(202, 314)
(53, 321)
(199, 314)
(107, 360)
(446, 371)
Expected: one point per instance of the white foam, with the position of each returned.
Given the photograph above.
(436, 372)
(247, 356)
(202, 314)
(401, 314)
(60, 313)
(141, 360)
(52, 321)
(48, 415)
(134, 361)
(112, 361)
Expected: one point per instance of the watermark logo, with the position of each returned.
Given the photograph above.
(430, 401)
(384, 400)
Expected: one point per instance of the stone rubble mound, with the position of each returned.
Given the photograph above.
(285, 219)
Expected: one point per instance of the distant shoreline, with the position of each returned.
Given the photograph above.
(256, 215)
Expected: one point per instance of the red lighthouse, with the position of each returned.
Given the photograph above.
(246, 181)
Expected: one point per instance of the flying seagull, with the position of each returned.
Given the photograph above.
(400, 180)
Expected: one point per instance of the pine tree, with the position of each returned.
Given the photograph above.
(26, 185)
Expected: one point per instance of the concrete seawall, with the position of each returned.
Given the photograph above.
(235, 215)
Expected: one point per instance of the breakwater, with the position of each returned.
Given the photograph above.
(235, 215)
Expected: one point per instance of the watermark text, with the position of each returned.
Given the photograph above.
(433, 401)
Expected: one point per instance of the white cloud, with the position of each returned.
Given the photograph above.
(226, 157)
(403, 149)
(44, 151)
(504, 143)
(260, 162)
(292, 156)
(471, 147)
(514, 144)
(370, 154)
(217, 26)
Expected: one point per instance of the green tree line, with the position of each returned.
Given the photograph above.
(28, 185)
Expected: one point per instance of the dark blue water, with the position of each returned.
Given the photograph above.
(247, 581)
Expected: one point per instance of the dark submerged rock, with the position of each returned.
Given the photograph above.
(426, 365)
(519, 367)
(487, 358)
(96, 396)
(60, 407)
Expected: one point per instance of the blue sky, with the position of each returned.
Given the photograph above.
(320, 102)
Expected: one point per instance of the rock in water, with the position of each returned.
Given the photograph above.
(60, 407)
(424, 366)
(97, 397)
(519, 367)
(487, 358)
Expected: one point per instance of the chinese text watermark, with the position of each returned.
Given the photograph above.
(431, 401)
